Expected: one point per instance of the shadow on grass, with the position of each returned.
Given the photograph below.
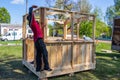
(11, 68)
(106, 69)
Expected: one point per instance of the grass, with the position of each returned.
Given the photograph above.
(9, 42)
(107, 68)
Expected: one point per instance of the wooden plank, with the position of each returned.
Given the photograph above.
(54, 13)
(30, 50)
(66, 55)
(74, 55)
(24, 27)
(59, 56)
(88, 53)
(80, 54)
(77, 54)
(67, 70)
(56, 20)
(48, 46)
(53, 55)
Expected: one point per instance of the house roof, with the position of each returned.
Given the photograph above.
(18, 26)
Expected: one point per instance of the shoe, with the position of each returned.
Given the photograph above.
(32, 62)
(48, 69)
(39, 70)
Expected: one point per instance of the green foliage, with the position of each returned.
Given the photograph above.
(50, 30)
(112, 11)
(63, 4)
(101, 27)
(117, 5)
(86, 28)
(4, 15)
(110, 14)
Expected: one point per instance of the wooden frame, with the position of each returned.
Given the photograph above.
(65, 56)
(116, 34)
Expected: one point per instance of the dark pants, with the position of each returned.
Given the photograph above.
(41, 51)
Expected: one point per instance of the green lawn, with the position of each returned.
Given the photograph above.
(107, 68)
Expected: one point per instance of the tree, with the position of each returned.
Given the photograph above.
(4, 15)
(101, 27)
(83, 6)
(117, 6)
(98, 12)
(86, 28)
(110, 14)
(64, 4)
(112, 11)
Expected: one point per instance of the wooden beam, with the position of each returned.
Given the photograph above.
(43, 22)
(59, 21)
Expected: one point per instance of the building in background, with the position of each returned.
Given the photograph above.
(7, 31)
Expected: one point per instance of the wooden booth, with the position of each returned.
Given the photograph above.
(116, 34)
(68, 52)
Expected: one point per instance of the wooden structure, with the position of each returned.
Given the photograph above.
(66, 55)
(116, 34)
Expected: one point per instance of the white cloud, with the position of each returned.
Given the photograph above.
(17, 1)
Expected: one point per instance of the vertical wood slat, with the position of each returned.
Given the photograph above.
(78, 26)
(87, 53)
(80, 54)
(59, 55)
(64, 56)
(78, 57)
(53, 56)
(65, 32)
(30, 50)
(48, 46)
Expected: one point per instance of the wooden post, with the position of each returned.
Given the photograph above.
(24, 36)
(43, 22)
(24, 27)
(72, 25)
(94, 26)
(65, 30)
(78, 26)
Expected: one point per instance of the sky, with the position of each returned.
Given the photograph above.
(17, 8)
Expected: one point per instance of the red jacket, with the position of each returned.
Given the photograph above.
(36, 28)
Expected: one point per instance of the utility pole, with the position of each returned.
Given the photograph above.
(26, 6)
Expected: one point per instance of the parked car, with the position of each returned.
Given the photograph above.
(11, 35)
